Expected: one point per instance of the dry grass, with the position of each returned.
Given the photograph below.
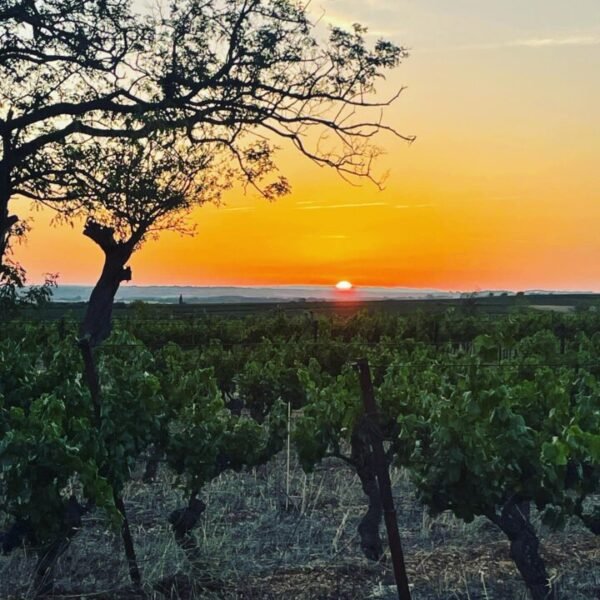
(254, 548)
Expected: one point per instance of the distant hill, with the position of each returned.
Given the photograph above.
(232, 294)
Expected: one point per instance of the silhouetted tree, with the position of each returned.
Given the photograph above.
(221, 71)
(130, 190)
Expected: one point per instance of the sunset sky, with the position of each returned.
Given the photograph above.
(500, 190)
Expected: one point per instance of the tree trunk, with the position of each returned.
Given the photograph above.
(95, 328)
(368, 528)
(7, 221)
(97, 321)
(524, 547)
(97, 324)
(183, 521)
(91, 378)
(43, 582)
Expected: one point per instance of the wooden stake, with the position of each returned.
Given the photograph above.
(134, 572)
(383, 480)
(287, 479)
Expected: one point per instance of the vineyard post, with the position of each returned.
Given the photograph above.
(383, 479)
(287, 475)
(134, 572)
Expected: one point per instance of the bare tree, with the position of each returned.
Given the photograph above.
(218, 70)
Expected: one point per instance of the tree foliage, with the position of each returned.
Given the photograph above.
(232, 76)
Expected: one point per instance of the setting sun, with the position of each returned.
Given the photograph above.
(343, 285)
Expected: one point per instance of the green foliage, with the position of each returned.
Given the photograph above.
(49, 447)
(512, 409)
(196, 429)
(133, 407)
(332, 409)
(474, 438)
(200, 435)
(16, 295)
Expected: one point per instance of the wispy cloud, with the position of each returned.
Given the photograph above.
(541, 42)
(238, 208)
(328, 206)
(585, 40)
(406, 206)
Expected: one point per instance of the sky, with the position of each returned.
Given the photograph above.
(500, 190)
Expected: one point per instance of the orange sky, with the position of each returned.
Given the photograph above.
(500, 190)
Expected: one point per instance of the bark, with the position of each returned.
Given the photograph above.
(6, 224)
(94, 330)
(183, 521)
(91, 378)
(44, 569)
(524, 547)
(368, 528)
(7, 221)
(96, 325)
(134, 571)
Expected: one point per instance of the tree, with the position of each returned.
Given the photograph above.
(220, 71)
(59, 64)
(129, 190)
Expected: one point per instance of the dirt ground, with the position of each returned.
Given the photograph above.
(255, 547)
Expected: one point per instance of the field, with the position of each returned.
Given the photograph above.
(302, 404)
(494, 304)
(284, 525)
(256, 549)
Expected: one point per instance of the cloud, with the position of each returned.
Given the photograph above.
(327, 206)
(585, 40)
(546, 42)
(238, 208)
(414, 205)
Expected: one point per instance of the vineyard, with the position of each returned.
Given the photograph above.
(230, 457)
(309, 439)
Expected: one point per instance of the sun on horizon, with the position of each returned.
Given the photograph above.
(344, 285)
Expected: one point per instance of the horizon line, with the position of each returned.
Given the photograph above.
(332, 287)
